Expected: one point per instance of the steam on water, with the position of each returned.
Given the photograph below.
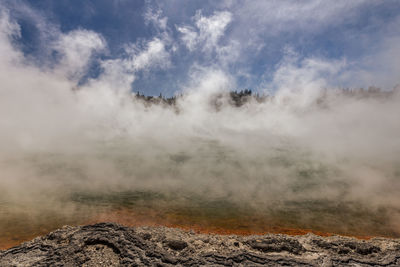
(307, 157)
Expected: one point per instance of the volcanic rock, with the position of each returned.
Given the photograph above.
(108, 244)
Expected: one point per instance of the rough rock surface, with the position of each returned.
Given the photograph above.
(108, 244)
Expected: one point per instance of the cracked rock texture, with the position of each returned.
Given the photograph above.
(108, 244)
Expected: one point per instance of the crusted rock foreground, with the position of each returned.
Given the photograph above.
(108, 244)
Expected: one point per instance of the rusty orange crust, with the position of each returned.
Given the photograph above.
(148, 217)
(8, 241)
(224, 227)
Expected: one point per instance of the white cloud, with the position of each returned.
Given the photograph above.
(8, 27)
(76, 49)
(154, 55)
(213, 27)
(8, 31)
(208, 30)
(229, 53)
(119, 74)
(378, 68)
(271, 17)
(189, 37)
(154, 17)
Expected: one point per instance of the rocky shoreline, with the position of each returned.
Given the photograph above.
(109, 244)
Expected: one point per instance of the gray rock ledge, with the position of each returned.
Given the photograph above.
(108, 244)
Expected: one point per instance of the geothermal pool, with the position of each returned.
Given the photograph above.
(211, 190)
(329, 167)
(197, 213)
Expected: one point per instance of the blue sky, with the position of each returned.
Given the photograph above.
(259, 45)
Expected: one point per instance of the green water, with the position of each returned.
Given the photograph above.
(210, 187)
(18, 223)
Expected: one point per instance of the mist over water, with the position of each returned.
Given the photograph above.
(306, 158)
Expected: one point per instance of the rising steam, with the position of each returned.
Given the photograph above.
(60, 136)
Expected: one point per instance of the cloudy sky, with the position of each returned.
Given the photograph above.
(160, 46)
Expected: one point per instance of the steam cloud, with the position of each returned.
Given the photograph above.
(58, 136)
